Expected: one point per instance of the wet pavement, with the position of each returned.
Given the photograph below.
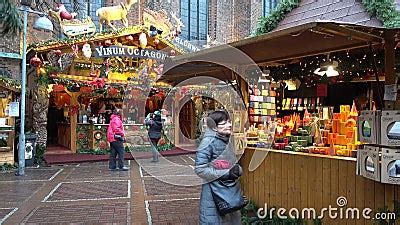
(149, 193)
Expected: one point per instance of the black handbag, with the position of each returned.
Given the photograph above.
(118, 137)
(227, 196)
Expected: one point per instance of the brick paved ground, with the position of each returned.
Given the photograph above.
(150, 193)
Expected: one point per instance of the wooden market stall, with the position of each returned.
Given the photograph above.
(9, 109)
(292, 178)
(86, 77)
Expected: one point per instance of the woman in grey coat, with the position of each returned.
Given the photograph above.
(215, 145)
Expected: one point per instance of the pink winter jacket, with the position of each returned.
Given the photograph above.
(115, 127)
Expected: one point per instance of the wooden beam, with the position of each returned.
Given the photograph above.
(390, 75)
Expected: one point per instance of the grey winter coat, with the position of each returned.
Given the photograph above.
(214, 146)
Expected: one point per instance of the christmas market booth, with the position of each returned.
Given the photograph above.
(78, 81)
(9, 109)
(322, 114)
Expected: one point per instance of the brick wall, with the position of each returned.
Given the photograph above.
(256, 12)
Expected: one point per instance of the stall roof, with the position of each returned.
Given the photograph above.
(97, 37)
(277, 47)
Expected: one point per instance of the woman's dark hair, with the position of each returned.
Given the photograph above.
(117, 111)
(216, 117)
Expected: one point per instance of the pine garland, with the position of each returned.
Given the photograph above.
(10, 83)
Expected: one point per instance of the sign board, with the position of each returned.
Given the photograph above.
(13, 109)
(390, 92)
(186, 45)
(127, 51)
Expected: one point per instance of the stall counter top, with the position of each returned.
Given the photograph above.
(303, 154)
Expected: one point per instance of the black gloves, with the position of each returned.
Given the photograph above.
(234, 173)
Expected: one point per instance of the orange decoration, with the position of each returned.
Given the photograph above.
(58, 88)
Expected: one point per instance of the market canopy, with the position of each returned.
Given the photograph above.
(278, 47)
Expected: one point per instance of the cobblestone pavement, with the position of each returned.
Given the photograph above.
(149, 193)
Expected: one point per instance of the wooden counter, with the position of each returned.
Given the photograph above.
(299, 180)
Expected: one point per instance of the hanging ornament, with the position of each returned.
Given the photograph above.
(75, 50)
(143, 40)
(159, 69)
(58, 52)
(35, 61)
(129, 38)
(112, 91)
(98, 82)
(87, 51)
(108, 43)
(153, 31)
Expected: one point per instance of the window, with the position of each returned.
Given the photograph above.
(194, 15)
(268, 6)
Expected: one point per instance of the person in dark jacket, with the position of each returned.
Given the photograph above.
(155, 126)
(215, 146)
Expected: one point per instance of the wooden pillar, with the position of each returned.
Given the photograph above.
(74, 110)
(390, 75)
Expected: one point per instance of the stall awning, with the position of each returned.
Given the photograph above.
(277, 47)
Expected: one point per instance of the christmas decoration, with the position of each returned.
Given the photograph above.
(143, 40)
(72, 27)
(87, 51)
(75, 50)
(98, 82)
(60, 62)
(129, 38)
(35, 61)
(58, 88)
(111, 13)
(108, 43)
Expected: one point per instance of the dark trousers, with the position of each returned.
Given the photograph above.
(117, 148)
(154, 142)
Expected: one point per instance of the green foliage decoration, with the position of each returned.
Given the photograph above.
(267, 24)
(384, 10)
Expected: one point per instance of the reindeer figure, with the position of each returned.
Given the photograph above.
(111, 13)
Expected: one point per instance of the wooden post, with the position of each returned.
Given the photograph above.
(390, 75)
(73, 118)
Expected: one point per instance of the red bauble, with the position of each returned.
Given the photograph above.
(58, 52)
(35, 61)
